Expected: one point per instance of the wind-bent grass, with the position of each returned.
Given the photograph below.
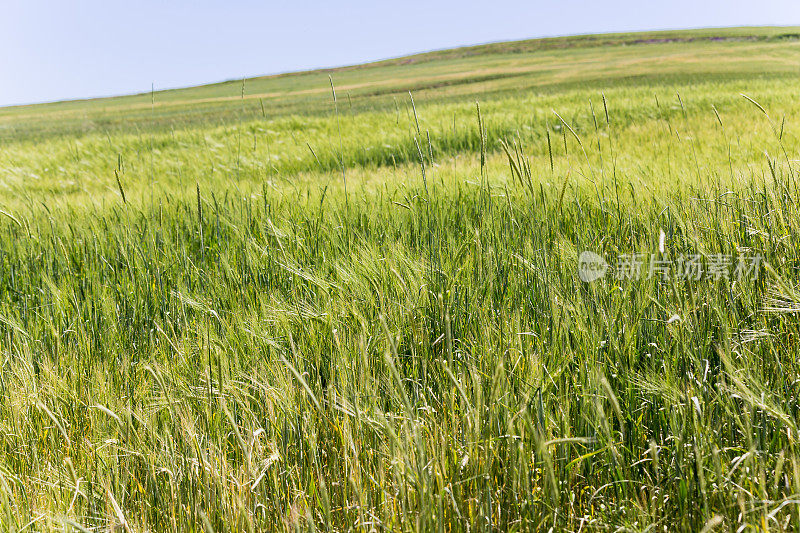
(205, 331)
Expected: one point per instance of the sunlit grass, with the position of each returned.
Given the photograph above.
(202, 329)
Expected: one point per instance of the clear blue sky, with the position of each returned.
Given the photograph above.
(51, 50)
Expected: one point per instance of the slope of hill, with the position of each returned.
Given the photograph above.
(540, 66)
(242, 307)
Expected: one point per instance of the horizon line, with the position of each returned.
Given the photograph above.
(380, 60)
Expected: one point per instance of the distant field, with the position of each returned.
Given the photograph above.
(248, 306)
(543, 66)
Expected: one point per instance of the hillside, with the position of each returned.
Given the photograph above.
(548, 285)
(539, 66)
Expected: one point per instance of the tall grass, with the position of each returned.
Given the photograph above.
(243, 346)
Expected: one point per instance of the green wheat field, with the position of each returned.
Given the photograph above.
(349, 300)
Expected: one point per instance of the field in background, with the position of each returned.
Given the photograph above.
(542, 66)
(250, 305)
